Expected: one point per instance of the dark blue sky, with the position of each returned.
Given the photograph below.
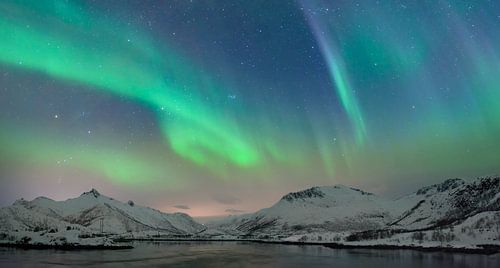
(187, 101)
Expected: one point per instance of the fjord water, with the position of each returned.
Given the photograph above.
(240, 254)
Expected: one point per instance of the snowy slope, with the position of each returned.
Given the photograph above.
(455, 213)
(476, 232)
(344, 209)
(334, 208)
(88, 210)
(450, 202)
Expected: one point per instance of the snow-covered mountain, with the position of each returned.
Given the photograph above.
(449, 203)
(455, 213)
(344, 209)
(331, 208)
(88, 211)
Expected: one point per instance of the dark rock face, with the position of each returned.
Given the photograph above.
(475, 198)
(256, 224)
(449, 185)
(309, 193)
(453, 201)
(92, 192)
(441, 187)
(360, 191)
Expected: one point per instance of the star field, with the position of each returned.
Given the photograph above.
(187, 101)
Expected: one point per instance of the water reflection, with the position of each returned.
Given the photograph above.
(241, 254)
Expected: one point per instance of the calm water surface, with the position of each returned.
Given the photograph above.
(240, 254)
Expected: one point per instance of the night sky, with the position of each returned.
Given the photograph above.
(219, 107)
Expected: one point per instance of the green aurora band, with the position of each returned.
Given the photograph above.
(123, 169)
(414, 96)
(65, 44)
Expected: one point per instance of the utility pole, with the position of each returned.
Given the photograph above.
(101, 225)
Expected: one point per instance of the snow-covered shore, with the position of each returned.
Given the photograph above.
(67, 239)
(72, 239)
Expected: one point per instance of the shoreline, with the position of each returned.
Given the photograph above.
(488, 249)
(64, 247)
(484, 250)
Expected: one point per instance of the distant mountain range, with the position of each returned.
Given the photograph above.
(455, 213)
(341, 208)
(88, 210)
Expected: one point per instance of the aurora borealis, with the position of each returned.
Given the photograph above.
(208, 104)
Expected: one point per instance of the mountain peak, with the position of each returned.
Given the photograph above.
(93, 192)
(322, 191)
(308, 193)
(20, 201)
(441, 187)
